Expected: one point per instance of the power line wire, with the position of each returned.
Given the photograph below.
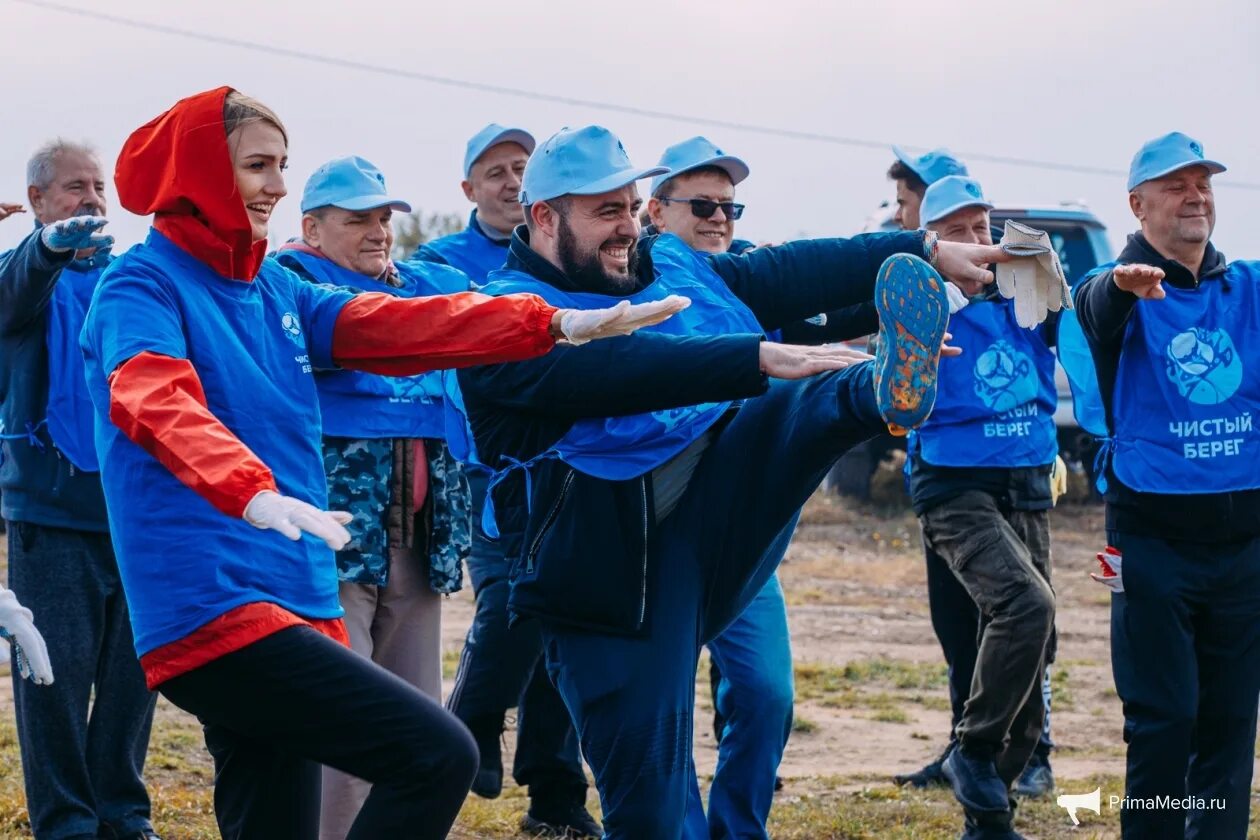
(649, 113)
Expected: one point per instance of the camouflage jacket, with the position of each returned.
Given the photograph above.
(372, 479)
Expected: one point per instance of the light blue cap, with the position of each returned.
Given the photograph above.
(695, 153)
(1167, 154)
(580, 161)
(493, 135)
(932, 166)
(350, 183)
(951, 193)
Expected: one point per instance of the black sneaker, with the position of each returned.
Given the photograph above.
(488, 783)
(930, 775)
(1037, 780)
(568, 818)
(975, 782)
(974, 829)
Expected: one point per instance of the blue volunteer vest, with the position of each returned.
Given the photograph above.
(1078, 364)
(470, 251)
(182, 562)
(1187, 389)
(69, 414)
(355, 404)
(995, 403)
(619, 448)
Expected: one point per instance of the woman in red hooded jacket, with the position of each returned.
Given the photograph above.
(199, 356)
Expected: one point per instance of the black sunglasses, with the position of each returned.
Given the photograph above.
(703, 208)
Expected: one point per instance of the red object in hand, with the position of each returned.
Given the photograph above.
(1108, 569)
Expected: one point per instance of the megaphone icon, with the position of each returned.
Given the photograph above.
(1088, 801)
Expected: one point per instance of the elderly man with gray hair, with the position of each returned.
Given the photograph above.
(83, 737)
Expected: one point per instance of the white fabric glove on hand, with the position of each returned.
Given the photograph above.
(1035, 280)
(582, 325)
(30, 652)
(957, 298)
(1109, 560)
(289, 516)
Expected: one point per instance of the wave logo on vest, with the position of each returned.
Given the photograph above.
(292, 328)
(1204, 365)
(409, 389)
(1005, 378)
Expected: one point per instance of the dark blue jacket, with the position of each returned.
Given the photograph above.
(1104, 310)
(470, 250)
(40, 485)
(580, 548)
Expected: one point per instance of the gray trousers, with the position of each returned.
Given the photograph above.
(399, 627)
(1002, 559)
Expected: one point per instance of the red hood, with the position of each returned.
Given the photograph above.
(178, 168)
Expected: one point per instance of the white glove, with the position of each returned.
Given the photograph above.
(29, 650)
(292, 516)
(1036, 279)
(582, 325)
(1058, 480)
(1109, 562)
(957, 298)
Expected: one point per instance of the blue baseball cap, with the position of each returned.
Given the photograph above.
(580, 161)
(951, 193)
(493, 135)
(695, 153)
(350, 183)
(933, 166)
(1167, 154)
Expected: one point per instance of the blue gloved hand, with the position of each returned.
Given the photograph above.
(76, 234)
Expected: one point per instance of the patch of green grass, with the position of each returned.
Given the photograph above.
(1061, 696)
(814, 681)
(802, 725)
(450, 662)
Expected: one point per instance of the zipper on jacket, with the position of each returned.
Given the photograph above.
(547, 523)
(643, 584)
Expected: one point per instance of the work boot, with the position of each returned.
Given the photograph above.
(1037, 779)
(975, 781)
(560, 815)
(913, 313)
(930, 775)
(487, 732)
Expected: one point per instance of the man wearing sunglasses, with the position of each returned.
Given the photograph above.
(752, 658)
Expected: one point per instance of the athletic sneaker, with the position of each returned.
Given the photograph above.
(1037, 779)
(913, 314)
(931, 774)
(560, 816)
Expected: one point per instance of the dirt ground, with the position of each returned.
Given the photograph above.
(871, 694)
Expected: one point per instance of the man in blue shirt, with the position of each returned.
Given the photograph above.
(499, 669)
(83, 738)
(1171, 326)
(752, 659)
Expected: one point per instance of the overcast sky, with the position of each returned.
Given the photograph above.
(1074, 81)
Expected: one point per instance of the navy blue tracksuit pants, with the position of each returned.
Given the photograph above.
(632, 698)
(1185, 653)
(84, 738)
(501, 668)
